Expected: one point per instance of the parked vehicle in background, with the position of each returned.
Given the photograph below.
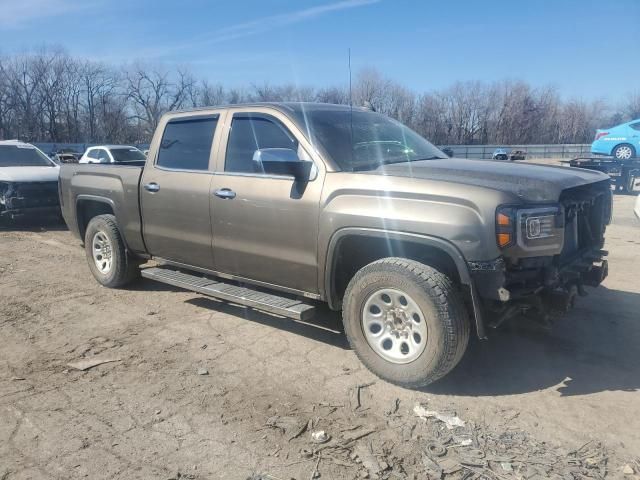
(448, 152)
(517, 155)
(61, 158)
(67, 153)
(113, 154)
(507, 154)
(624, 173)
(317, 202)
(621, 142)
(500, 154)
(28, 181)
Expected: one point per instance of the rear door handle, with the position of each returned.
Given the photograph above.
(225, 193)
(152, 187)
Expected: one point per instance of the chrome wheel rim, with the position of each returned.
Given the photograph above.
(394, 325)
(623, 153)
(102, 252)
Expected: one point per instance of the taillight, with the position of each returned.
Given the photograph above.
(599, 135)
(505, 227)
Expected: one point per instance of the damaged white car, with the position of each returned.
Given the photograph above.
(28, 181)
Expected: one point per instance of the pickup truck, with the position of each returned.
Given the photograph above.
(282, 206)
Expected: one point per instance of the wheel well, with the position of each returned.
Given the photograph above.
(88, 209)
(355, 251)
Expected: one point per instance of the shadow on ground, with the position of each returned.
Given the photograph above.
(33, 224)
(325, 327)
(595, 348)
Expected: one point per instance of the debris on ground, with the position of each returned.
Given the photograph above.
(90, 363)
(203, 371)
(262, 476)
(320, 437)
(355, 398)
(451, 421)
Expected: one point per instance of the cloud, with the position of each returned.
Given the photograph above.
(17, 13)
(271, 22)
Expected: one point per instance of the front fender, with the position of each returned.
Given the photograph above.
(443, 245)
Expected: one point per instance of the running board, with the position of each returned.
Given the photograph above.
(284, 306)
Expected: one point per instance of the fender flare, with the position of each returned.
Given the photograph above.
(93, 198)
(436, 242)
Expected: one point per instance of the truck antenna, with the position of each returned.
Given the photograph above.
(350, 107)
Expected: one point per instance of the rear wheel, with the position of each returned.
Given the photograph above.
(624, 152)
(406, 321)
(107, 255)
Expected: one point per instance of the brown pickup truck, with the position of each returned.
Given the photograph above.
(281, 206)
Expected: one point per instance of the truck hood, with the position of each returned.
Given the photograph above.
(29, 174)
(530, 182)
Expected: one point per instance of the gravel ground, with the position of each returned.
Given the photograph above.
(207, 390)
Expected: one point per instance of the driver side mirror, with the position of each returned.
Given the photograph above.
(282, 161)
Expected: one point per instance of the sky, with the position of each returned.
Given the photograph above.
(587, 49)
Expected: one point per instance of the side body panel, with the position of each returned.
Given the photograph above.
(461, 215)
(114, 185)
(176, 216)
(269, 231)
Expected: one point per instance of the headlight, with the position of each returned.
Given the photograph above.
(539, 228)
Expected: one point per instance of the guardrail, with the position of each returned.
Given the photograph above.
(568, 150)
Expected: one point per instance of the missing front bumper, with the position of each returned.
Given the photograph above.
(536, 288)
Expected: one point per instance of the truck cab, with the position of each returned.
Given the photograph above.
(280, 206)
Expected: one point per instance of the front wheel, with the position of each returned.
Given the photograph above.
(624, 152)
(106, 253)
(406, 321)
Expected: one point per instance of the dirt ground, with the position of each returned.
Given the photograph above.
(535, 404)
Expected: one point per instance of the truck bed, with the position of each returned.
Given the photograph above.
(115, 186)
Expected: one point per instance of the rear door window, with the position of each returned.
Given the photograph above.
(186, 143)
(635, 126)
(250, 132)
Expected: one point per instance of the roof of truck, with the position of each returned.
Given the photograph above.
(284, 106)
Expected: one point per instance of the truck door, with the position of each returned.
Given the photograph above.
(265, 227)
(175, 190)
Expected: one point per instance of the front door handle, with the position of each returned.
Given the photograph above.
(225, 193)
(152, 187)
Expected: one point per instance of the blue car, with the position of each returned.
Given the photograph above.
(621, 141)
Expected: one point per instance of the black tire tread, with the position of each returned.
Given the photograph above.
(447, 299)
(126, 267)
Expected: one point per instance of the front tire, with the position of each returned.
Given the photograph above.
(390, 301)
(107, 255)
(624, 152)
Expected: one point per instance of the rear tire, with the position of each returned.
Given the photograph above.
(624, 152)
(427, 293)
(107, 255)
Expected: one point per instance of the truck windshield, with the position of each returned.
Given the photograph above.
(23, 156)
(127, 155)
(377, 140)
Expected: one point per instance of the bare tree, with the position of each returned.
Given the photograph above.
(154, 91)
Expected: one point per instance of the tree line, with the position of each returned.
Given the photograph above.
(50, 96)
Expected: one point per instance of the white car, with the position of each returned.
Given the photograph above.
(28, 181)
(112, 154)
(636, 209)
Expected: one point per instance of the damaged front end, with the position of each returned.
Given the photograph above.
(550, 254)
(18, 199)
